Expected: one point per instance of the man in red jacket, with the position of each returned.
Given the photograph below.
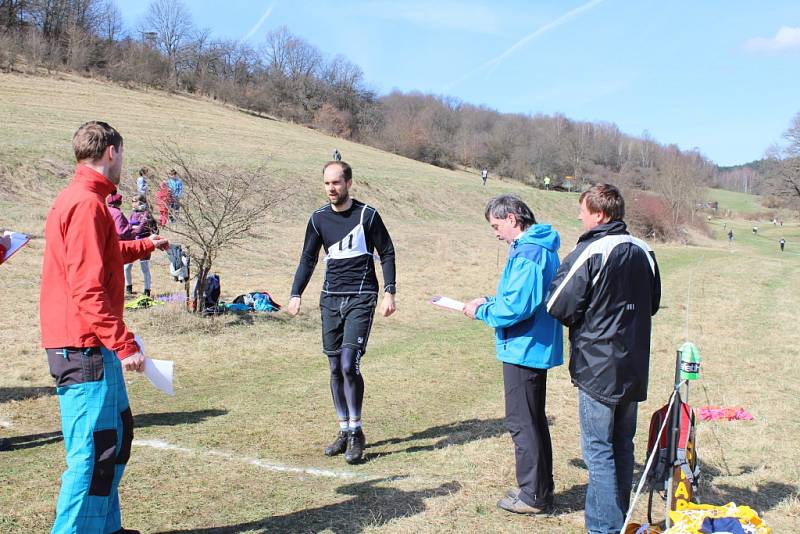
(86, 340)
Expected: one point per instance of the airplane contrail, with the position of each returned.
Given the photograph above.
(495, 61)
(258, 24)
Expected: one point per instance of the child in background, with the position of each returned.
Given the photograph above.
(164, 202)
(145, 225)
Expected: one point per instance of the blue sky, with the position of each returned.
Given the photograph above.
(722, 76)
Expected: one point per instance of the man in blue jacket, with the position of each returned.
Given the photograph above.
(529, 342)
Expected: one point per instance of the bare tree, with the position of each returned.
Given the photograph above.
(680, 181)
(220, 208)
(12, 13)
(790, 168)
(110, 27)
(172, 23)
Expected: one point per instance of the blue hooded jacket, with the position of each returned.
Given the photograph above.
(526, 334)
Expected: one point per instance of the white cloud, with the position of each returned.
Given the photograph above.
(787, 38)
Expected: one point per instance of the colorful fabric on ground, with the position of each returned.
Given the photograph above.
(173, 297)
(98, 430)
(690, 520)
(713, 413)
(254, 301)
(142, 301)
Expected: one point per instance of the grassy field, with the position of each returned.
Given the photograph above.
(238, 449)
(736, 202)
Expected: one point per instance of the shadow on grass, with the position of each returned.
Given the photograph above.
(370, 506)
(571, 500)
(458, 433)
(8, 394)
(250, 318)
(140, 421)
(761, 497)
(174, 418)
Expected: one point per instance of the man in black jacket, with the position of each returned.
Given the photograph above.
(606, 291)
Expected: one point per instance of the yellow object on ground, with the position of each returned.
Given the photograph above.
(690, 518)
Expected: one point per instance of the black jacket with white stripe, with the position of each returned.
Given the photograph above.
(606, 291)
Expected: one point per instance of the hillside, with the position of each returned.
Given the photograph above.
(238, 449)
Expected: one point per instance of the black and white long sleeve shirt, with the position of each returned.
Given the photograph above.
(349, 239)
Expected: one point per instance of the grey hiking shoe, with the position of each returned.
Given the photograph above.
(513, 493)
(355, 446)
(338, 446)
(517, 506)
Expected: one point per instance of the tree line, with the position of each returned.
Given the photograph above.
(288, 77)
(776, 176)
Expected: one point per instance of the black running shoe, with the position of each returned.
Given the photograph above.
(355, 446)
(338, 446)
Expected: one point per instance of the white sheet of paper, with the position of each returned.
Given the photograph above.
(158, 372)
(446, 302)
(16, 242)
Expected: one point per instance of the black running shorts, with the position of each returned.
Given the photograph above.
(346, 321)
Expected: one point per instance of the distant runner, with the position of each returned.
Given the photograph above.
(783, 243)
(484, 175)
(349, 231)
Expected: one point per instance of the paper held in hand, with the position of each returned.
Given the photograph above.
(12, 242)
(446, 302)
(158, 372)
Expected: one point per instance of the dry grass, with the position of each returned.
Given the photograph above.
(256, 387)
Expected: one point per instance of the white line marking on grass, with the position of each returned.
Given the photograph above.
(263, 464)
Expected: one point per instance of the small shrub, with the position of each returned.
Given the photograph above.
(649, 216)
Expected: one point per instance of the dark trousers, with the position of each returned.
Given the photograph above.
(525, 392)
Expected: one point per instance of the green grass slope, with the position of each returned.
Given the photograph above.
(238, 449)
(735, 201)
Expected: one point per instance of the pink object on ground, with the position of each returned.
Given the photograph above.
(712, 413)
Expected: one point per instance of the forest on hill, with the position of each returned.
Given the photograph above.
(287, 77)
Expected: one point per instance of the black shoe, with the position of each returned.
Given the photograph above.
(129, 290)
(147, 292)
(338, 446)
(127, 531)
(355, 446)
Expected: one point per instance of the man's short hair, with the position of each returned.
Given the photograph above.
(347, 170)
(143, 171)
(605, 199)
(501, 206)
(92, 139)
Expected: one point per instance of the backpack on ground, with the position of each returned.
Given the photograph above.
(212, 291)
(685, 486)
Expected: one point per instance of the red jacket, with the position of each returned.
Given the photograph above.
(82, 288)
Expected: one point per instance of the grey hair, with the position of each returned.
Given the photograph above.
(499, 207)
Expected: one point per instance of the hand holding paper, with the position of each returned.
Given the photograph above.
(11, 242)
(447, 303)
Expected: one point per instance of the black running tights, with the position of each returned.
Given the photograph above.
(347, 384)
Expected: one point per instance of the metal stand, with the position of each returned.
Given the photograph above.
(677, 486)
